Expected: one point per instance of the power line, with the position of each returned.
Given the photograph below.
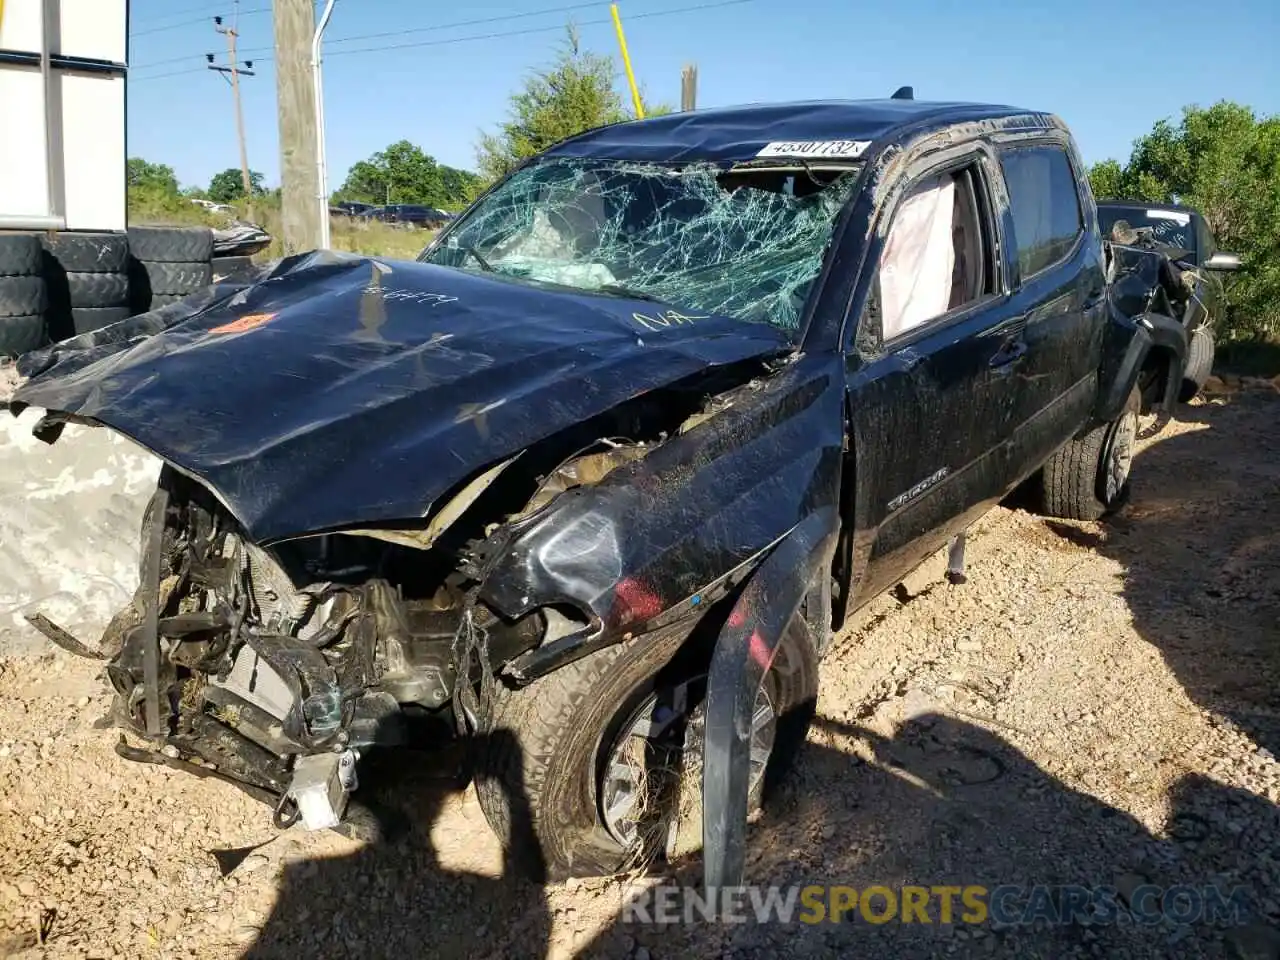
(171, 73)
(197, 21)
(165, 63)
(470, 23)
(530, 30)
(526, 31)
(400, 33)
(198, 8)
(505, 18)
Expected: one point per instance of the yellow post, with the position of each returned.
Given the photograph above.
(626, 62)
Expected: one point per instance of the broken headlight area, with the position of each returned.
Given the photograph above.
(280, 667)
(276, 667)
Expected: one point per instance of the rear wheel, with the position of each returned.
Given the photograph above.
(1089, 477)
(594, 768)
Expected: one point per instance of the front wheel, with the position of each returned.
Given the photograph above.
(1089, 477)
(588, 771)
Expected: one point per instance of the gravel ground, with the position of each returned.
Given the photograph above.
(1095, 706)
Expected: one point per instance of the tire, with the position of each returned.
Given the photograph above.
(178, 279)
(165, 299)
(541, 767)
(1199, 363)
(98, 290)
(22, 296)
(20, 255)
(171, 244)
(20, 334)
(88, 252)
(88, 319)
(1089, 477)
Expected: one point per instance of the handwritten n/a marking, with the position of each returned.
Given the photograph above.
(415, 296)
(665, 319)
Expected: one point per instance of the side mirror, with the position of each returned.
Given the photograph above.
(1222, 261)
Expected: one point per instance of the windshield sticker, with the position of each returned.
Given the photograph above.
(250, 321)
(665, 319)
(838, 149)
(1182, 218)
(414, 296)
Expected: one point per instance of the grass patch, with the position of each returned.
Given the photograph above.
(148, 209)
(351, 236)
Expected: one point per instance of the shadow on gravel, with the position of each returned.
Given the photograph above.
(1200, 543)
(393, 898)
(949, 804)
(944, 803)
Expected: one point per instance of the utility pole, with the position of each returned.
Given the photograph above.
(235, 71)
(689, 87)
(295, 27)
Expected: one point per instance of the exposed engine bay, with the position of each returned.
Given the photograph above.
(278, 666)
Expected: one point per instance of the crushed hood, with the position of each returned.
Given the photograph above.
(345, 391)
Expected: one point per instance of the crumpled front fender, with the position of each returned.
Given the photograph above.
(1128, 343)
(744, 652)
(666, 536)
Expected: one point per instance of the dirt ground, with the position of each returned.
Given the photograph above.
(1097, 706)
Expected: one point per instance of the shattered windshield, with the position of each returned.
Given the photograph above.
(744, 243)
(1169, 227)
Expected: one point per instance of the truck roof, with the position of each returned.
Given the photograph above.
(738, 134)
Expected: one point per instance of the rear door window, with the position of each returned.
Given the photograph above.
(1044, 203)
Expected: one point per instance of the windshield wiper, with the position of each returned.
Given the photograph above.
(468, 248)
(621, 291)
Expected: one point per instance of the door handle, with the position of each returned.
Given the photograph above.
(1008, 354)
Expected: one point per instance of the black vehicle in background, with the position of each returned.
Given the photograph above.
(1182, 234)
(410, 214)
(351, 208)
(592, 483)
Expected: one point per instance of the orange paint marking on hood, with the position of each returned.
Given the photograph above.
(249, 321)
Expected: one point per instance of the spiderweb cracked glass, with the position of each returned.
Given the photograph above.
(696, 237)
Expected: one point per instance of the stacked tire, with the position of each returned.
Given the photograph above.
(87, 281)
(168, 264)
(23, 294)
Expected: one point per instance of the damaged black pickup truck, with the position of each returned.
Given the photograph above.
(595, 479)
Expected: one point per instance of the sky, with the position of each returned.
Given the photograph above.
(439, 73)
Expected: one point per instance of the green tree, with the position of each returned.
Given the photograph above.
(579, 91)
(1223, 160)
(141, 175)
(404, 173)
(153, 191)
(229, 185)
(1107, 180)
